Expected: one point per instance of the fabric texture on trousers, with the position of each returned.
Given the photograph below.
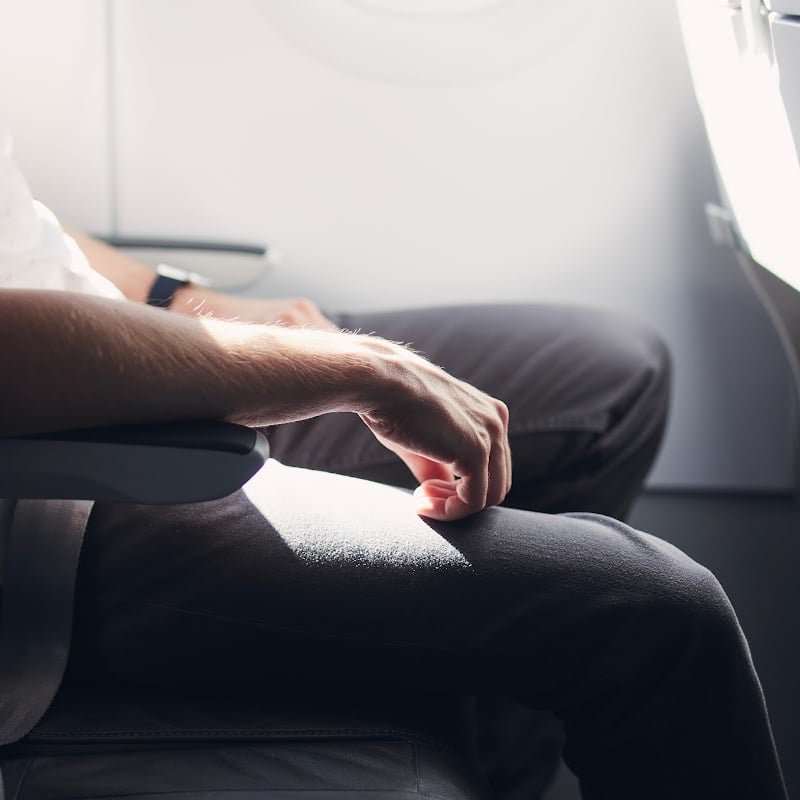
(309, 578)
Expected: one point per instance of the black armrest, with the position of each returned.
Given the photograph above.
(203, 245)
(183, 462)
(223, 265)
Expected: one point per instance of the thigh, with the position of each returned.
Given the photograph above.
(312, 579)
(587, 391)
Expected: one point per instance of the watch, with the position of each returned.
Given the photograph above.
(168, 280)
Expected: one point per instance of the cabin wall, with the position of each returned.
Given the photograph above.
(572, 170)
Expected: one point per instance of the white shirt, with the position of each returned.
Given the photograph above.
(35, 253)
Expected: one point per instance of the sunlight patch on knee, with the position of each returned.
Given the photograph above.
(326, 518)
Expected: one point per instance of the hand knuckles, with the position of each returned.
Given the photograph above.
(474, 456)
(502, 411)
(483, 442)
(494, 427)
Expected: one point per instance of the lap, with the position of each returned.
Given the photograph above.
(307, 576)
(562, 364)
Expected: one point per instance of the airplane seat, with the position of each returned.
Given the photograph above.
(91, 742)
(744, 60)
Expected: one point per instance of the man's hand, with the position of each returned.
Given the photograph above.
(453, 437)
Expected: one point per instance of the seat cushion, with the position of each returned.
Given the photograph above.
(145, 745)
(276, 770)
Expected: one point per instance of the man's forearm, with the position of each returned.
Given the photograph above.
(135, 279)
(72, 361)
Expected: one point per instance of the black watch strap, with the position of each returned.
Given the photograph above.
(164, 286)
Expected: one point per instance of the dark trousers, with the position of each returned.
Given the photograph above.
(311, 578)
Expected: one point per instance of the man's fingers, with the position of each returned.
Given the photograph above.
(441, 503)
(422, 468)
(507, 460)
(498, 475)
(437, 499)
(436, 488)
(505, 415)
(474, 483)
(432, 508)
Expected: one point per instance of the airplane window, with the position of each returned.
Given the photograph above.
(440, 41)
(428, 7)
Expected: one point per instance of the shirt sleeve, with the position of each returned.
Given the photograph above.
(35, 253)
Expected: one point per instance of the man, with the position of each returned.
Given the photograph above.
(633, 645)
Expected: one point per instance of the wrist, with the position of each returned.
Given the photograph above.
(198, 301)
(274, 374)
(382, 372)
(183, 292)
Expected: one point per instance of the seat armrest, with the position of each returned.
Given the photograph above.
(221, 265)
(184, 462)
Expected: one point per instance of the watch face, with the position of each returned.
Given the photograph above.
(183, 275)
(174, 273)
(163, 290)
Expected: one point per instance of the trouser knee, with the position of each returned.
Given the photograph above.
(640, 364)
(631, 386)
(665, 649)
(680, 618)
